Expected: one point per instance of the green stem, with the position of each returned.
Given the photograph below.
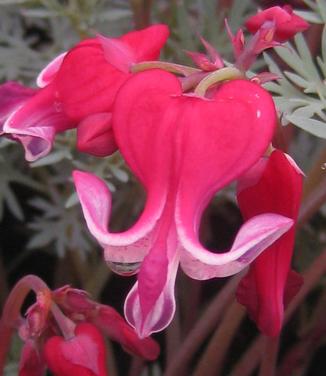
(169, 67)
(223, 74)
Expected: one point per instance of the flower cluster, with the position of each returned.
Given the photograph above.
(185, 133)
(63, 331)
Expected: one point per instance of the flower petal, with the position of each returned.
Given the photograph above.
(87, 82)
(287, 23)
(31, 362)
(95, 135)
(117, 53)
(253, 238)
(83, 354)
(147, 43)
(36, 122)
(263, 289)
(162, 311)
(12, 96)
(219, 147)
(48, 73)
(116, 328)
(127, 247)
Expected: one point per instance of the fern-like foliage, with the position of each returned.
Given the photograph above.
(300, 94)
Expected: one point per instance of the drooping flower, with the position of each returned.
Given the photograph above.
(285, 21)
(13, 95)
(63, 330)
(270, 28)
(83, 354)
(80, 87)
(183, 149)
(274, 184)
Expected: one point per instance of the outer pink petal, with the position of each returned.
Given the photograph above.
(12, 96)
(144, 126)
(83, 354)
(222, 139)
(287, 23)
(48, 73)
(86, 83)
(114, 326)
(117, 53)
(36, 122)
(253, 238)
(147, 43)
(162, 311)
(31, 361)
(263, 289)
(126, 247)
(95, 135)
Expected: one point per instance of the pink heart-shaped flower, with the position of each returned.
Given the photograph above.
(82, 355)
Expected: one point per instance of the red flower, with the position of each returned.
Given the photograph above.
(63, 330)
(272, 185)
(82, 355)
(31, 361)
(183, 149)
(286, 23)
(77, 87)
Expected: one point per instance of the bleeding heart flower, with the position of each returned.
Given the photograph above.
(274, 184)
(79, 84)
(31, 360)
(183, 149)
(95, 135)
(286, 23)
(12, 96)
(115, 327)
(82, 355)
(80, 320)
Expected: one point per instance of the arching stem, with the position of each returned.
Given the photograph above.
(184, 70)
(223, 74)
(11, 312)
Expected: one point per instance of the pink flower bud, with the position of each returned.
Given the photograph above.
(287, 24)
(82, 355)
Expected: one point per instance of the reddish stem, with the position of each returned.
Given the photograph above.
(211, 362)
(11, 312)
(269, 359)
(312, 203)
(250, 359)
(203, 327)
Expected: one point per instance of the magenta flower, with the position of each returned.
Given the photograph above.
(183, 149)
(13, 95)
(272, 185)
(63, 331)
(80, 87)
(285, 22)
(84, 354)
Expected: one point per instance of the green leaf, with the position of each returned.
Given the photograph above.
(52, 158)
(309, 16)
(321, 4)
(297, 80)
(306, 57)
(315, 127)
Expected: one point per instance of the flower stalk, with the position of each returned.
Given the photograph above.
(223, 74)
(11, 312)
